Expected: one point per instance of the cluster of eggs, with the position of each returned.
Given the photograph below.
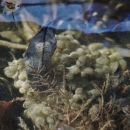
(16, 70)
(87, 60)
(49, 110)
(41, 114)
(42, 110)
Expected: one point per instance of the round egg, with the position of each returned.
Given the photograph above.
(74, 69)
(46, 110)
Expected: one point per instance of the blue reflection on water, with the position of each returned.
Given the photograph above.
(69, 16)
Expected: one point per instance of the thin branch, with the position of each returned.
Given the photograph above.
(12, 45)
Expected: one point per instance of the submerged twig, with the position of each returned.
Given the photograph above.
(22, 124)
(12, 45)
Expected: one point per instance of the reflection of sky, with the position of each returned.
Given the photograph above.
(69, 16)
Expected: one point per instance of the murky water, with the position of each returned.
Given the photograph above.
(87, 85)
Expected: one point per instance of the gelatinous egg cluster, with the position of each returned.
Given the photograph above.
(16, 70)
(94, 59)
(50, 110)
(39, 108)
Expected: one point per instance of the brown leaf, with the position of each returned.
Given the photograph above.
(7, 114)
(4, 114)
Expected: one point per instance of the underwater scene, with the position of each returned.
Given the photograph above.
(64, 65)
